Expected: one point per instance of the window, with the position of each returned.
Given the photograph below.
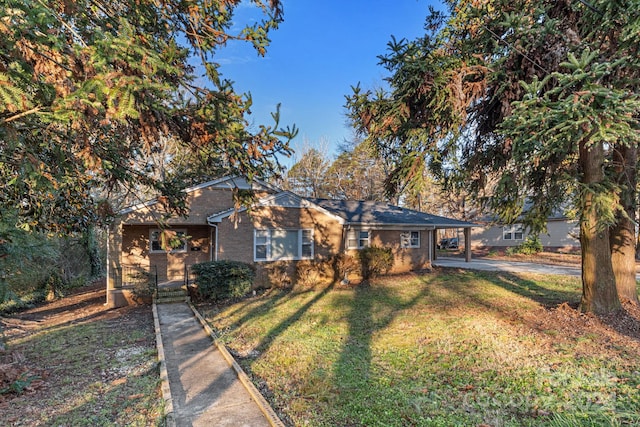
(273, 245)
(175, 240)
(513, 232)
(357, 239)
(307, 244)
(410, 239)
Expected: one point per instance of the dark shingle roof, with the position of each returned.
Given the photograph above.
(377, 213)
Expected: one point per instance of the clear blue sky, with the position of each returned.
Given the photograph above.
(321, 49)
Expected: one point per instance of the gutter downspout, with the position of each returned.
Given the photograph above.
(213, 243)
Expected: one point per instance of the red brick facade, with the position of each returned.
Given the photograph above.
(232, 237)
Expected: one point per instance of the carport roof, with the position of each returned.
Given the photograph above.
(378, 213)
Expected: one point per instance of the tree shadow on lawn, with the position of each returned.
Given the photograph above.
(469, 291)
(527, 288)
(286, 323)
(625, 322)
(372, 309)
(268, 303)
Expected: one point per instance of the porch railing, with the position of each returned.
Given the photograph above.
(189, 276)
(135, 276)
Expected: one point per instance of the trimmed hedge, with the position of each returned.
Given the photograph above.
(219, 280)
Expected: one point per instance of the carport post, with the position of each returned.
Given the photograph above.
(467, 244)
(434, 252)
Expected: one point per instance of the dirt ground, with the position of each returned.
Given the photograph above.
(50, 370)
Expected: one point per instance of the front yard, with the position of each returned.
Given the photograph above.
(74, 362)
(454, 348)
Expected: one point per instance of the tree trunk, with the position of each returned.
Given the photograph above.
(598, 281)
(623, 251)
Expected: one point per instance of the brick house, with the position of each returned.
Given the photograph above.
(279, 226)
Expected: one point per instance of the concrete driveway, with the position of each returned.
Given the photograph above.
(509, 266)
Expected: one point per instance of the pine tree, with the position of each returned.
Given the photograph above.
(530, 101)
(89, 88)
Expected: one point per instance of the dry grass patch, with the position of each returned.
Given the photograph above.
(85, 365)
(448, 348)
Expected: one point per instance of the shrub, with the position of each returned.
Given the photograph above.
(375, 261)
(144, 284)
(309, 273)
(278, 275)
(530, 246)
(343, 265)
(219, 280)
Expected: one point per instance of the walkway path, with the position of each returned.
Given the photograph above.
(509, 266)
(205, 389)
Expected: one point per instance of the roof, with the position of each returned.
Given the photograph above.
(558, 213)
(224, 182)
(377, 213)
(284, 199)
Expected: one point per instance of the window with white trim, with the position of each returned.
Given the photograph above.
(171, 240)
(358, 239)
(282, 244)
(513, 232)
(410, 239)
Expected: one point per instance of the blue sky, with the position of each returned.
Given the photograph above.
(316, 55)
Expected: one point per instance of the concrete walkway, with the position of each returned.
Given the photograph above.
(508, 266)
(205, 389)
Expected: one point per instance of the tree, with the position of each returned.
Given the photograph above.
(357, 174)
(539, 100)
(88, 89)
(307, 177)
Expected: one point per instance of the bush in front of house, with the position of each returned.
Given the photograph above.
(375, 261)
(277, 275)
(310, 273)
(218, 280)
(530, 246)
(344, 265)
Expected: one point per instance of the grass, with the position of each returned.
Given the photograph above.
(460, 348)
(91, 367)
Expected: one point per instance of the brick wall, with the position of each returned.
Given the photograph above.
(201, 203)
(235, 238)
(169, 265)
(405, 259)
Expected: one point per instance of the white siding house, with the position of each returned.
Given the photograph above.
(562, 235)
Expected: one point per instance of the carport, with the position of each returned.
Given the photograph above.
(443, 223)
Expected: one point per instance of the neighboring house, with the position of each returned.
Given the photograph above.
(562, 235)
(279, 226)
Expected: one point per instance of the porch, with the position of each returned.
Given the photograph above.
(138, 284)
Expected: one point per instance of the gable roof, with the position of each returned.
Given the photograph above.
(378, 213)
(229, 182)
(351, 212)
(283, 199)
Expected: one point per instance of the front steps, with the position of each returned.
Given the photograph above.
(166, 295)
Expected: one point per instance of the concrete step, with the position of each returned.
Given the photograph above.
(171, 295)
(172, 300)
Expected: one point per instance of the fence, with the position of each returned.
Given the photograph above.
(135, 276)
(189, 275)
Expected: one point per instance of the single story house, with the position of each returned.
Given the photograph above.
(278, 226)
(562, 234)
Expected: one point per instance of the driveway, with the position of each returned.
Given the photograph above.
(509, 266)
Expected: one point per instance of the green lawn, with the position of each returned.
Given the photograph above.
(452, 348)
